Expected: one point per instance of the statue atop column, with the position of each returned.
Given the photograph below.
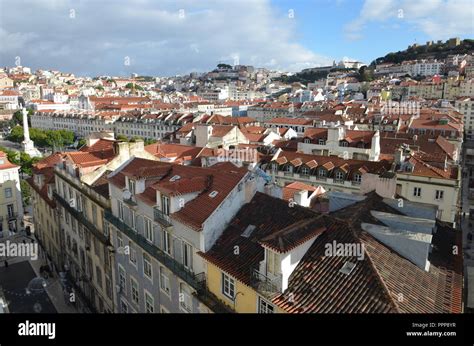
(28, 145)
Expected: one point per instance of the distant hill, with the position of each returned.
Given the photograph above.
(434, 51)
(311, 76)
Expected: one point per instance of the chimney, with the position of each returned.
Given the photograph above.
(399, 157)
(301, 198)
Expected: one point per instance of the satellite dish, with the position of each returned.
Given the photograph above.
(126, 194)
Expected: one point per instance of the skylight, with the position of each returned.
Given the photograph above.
(248, 231)
(175, 177)
(347, 268)
(213, 194)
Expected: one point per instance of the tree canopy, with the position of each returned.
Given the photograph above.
(43, 138)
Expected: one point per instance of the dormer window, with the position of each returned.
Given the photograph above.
(344, 144)
(322, 173)
(408, 168)
(289, 168)
(131, 186)
(339, 175)
(321, 141)
(275, 166)
(357, 178)
(165, 205)
(307, 140)
(273, 262)
(305, 171)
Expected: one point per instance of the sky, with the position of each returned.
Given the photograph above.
(171, 37)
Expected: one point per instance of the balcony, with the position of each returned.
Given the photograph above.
(12, 215)
(197, 281)
(162, 218)
(130, 201)
(263, 284)
(79, 216)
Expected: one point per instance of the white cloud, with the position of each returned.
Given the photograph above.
(164, 37)
(438, 19)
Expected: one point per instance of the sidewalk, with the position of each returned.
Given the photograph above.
(54, 289)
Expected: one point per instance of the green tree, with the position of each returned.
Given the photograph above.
(17, 117)
(25, 192)
(81, 142)
(16, 134)
(133, 85)
(149, 141)
(122, 138)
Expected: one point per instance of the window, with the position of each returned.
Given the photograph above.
(149, 303)
(357, 178)
(184, 297)
(439, 194)
(187, 255)
(94, 214)
(134, 290)
(120, 210)
(164, 281)
(165, 205)
(148, 229)
(123, 306)
(147, 268)
(8, 192)
(322, 173)
(321, 141)
(108, 287)
(133, 255)
(417, 191)
(305, 171)
(131, 186)
(265, 307)
(344, 144)
(132, 219)
(273, 262)
(228, 286)
(289, 168)
(122, 278)
(119, 240)
(166, 243)
(307, 140)
(98, 276)
(339, 175)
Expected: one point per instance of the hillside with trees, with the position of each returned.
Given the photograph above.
(434, 51)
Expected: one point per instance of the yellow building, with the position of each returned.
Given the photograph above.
(45, 213)
(11, 203)
(275, 258)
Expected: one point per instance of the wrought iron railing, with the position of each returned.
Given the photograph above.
(79, 216)
(263, 284)
(197, 281)
(161, 217)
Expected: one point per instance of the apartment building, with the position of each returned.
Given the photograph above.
(299, 125)
(162, 215)
(419, 181)
(46, 218)
(11, 202)
(82, 196)
(465, 105)
(285, 248)
(339, 141)
(330, 172)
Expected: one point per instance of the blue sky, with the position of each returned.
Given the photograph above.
(168, 37)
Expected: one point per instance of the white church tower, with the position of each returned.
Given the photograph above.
(28, 145)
